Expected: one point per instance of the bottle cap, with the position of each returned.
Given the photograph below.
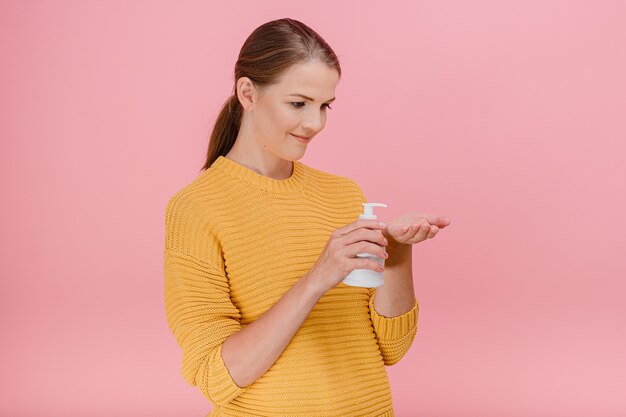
(368, 210)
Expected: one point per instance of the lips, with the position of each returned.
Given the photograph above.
(301, 137)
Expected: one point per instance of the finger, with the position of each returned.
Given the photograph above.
(424, 229)
(439, 221)
(365, 234)
(359, 223)
(433, 232)
(367, 247)
(405, 231)
(363, 229)
(417, 233)
(413, 231)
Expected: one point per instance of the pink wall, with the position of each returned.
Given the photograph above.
(506, 116)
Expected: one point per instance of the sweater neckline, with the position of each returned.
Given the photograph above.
(293, 184)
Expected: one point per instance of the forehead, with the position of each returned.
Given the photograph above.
(316, 80)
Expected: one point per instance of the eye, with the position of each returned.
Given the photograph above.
(301, 102)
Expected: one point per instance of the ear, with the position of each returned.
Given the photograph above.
(246, 92)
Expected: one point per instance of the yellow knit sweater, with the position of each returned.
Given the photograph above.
(235, 242)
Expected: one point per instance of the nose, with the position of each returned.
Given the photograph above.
(313, 123)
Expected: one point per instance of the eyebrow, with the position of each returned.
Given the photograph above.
(307, 98)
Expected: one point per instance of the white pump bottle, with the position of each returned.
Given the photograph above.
(366, 277)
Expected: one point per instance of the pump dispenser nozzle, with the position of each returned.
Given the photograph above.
(368, 210)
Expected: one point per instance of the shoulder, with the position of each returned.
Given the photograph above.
(200, 194)
(333, 182)
(192, 210)
(183, 201)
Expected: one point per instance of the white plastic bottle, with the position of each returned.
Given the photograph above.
(366, 277)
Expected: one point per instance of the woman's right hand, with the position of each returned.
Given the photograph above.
(339, 258)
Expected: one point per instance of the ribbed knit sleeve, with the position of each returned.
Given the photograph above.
(198, 307)
(394, 334)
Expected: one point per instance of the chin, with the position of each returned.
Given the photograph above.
(294, 156)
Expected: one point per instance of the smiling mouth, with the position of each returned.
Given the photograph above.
(301, 137)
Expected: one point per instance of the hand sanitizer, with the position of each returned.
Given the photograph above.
(366, 277)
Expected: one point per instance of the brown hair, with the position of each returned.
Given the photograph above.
(270, 50)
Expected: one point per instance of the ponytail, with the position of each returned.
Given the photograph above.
(225, 130)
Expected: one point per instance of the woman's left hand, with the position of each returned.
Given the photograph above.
(413, 228)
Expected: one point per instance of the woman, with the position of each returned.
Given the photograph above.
(257, 245)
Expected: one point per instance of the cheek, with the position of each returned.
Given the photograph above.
(271, 121)
(284, 118)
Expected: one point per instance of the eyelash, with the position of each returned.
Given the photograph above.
(301, 102)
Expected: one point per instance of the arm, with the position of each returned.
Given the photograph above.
(394, 308)
(219, 356)
(249, 353)
(201, 316)
(397, 296)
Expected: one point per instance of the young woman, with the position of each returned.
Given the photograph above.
(257, 246)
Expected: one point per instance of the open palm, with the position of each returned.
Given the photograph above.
(413, 228)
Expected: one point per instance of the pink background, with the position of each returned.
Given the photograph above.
(506, 116)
